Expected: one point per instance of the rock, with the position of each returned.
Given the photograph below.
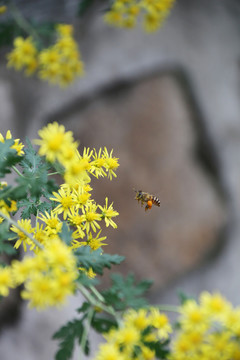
(149, 124)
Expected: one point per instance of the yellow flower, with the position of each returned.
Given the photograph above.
(137, 318)
(61, 63)
(111, 163)
(215, 305)
(22, 269)
(6, 280)
(60, 255)
(66, 200)
(24, 226)
(91, 217)
(23, 55)
(53, 224)
(53, 141)
(193, 316)
(94, 243)
(161, 322)
(128, 336)
(3, 9)
(109, 352)
(108, 213)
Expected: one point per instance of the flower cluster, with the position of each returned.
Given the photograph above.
(139, 328)
(58, 64)
(208, 330)
(50, 274)
(124, 13)
(73, 199)
(48, 277)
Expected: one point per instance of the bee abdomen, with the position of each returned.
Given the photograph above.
(155, 201)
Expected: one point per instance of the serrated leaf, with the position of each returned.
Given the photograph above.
(9, 157)
(67, 335)
(97, 260)
(85, 306)
(125, 293)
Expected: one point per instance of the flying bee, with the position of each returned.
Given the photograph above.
(146, 198)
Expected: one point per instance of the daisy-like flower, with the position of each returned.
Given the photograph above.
(91, 217)
(81, 196)
(40, 235)
(161, 322)
(108, 213)
(24, 227)
(137, 318)
(53, 224)
(76, 172)
(94, 242)
(97, 164)
(193, 316)
(111, 163)
(214, 305)
(53, 142)
(109, 352)
(66, 201)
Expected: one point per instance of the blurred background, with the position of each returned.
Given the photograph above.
(167, 103)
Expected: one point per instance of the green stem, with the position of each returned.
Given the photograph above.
(17, 171)
(97, 293)
(86, 329)
(22, 22)
(54, 173)
(94, 302)
(11, 221)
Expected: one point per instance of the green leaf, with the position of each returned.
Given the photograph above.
(160, 348)
(97, 260)
(5, 246)
(8, 158)
(35, 173)
(103, 324)
(125, 293)
(84, 280)
(66, 234)
(184, 297)
(67, 335)
(85, 306)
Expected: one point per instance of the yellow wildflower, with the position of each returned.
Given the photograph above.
(23, 55)
(108, 213)
(22, 238)
(53, 141)
(3, 9)
(53, 224)
(6, 280)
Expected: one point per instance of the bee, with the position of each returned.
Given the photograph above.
(146, 198)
